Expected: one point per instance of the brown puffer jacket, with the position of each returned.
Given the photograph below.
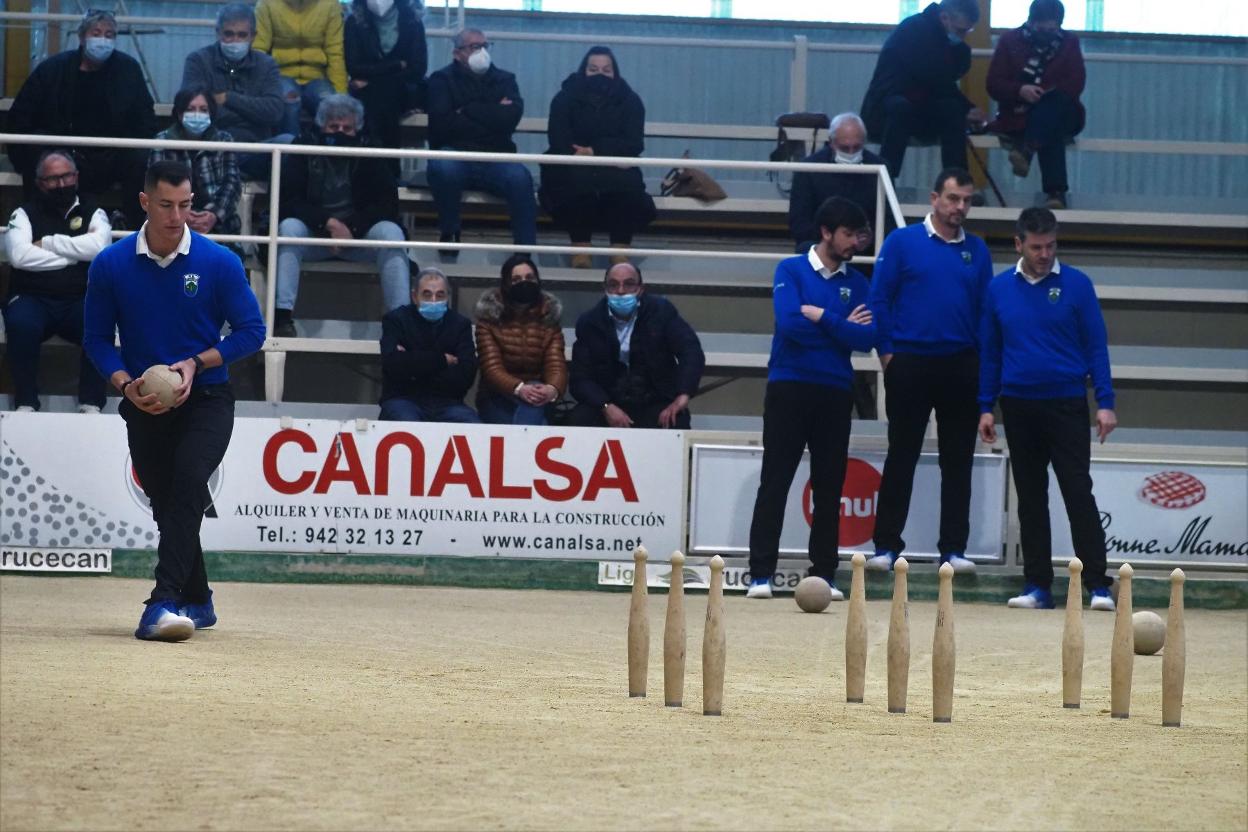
(520, 347)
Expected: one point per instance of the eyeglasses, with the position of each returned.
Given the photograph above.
(476, 47)
(60, 179)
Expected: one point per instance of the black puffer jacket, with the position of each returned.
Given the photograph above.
(465, 112)
(611, 120)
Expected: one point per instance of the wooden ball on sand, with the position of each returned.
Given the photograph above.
(1150, 632)
(813, 594)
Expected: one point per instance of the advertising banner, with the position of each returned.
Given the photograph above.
(1164, 513)
(725, 481)
(371, 487)
(697, 577)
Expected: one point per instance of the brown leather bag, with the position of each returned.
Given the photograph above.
(692, 182)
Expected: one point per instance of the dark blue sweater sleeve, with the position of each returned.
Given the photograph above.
(1095, 345)
(790, 322)
(242, 312)
(983, 278)
(859, 337)
(989, 355)
(884, 282)
(100, 319)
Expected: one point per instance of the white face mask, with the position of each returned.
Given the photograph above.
(849, 158)
(479, 61)
(380, 7)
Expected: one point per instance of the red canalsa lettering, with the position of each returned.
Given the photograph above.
(560, 469)
(381, 463)
(498, 489)
(612, 454)
(466, 475)
(343, 450)
(273, 447)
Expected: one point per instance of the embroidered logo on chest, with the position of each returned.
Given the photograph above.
(966, 257)
(1055, 294)
(190, 284)
(846, 294)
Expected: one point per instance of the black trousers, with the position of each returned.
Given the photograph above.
(1039, 433)
(796, 416)
(1051, 122)
(174, 455)
(914, 386)
(621, 214)
(643, 414)
(941, 119)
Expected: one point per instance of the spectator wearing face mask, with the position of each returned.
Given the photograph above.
(215, 180)
(521, 348)
(596, 113)
(244, 83)
(305, 39)
(428, 361)
(51, 241)
(387, 59)
(635, 361)
(475, 106)
(92, 90)
(343, 197)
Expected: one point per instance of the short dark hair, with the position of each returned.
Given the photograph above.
(839, 212)
(183, 98)
(1044, 10)
(509, 265)
(960, 177)
(1035, 221)
(171, 172)
(628, 263)
(963, 8)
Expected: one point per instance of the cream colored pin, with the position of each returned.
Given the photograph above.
(638, 628)
(1122, 651)
(674, 636)
(899, 640)
(856, 633)
(1072, 639)
(944, 653)
(1174, 657)
(714, 647)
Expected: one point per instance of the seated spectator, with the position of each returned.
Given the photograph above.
(51, 241)
(1037, 76)
(428, 360)
(215, 182)
(520, 346)
(847, 137)
(474, 105)
(343, 197)
(92, 90)
(305, 39)
(244, 83)
(386, 59)
(914, 91)
(596, 113)
(635, 361)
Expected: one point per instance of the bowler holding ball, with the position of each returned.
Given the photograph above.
(167, 292)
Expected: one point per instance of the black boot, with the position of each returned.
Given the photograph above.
(284, 324)
(445, 253)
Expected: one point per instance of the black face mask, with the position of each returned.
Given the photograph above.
(60, 198)
(341, 140)
(599, 84)
(524, 293)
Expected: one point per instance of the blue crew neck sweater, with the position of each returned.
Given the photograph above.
(926, 294)
(1042, 341)
(164, 316)
(818, 353)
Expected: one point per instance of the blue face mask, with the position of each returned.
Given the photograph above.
(196, 123)
(236, 51)
(432, 310)
(622, 305)
(99, 50)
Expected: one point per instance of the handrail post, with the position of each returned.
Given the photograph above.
(270, 286)
(797, 75)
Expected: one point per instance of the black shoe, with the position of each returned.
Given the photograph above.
(284, 324)
(446, 253)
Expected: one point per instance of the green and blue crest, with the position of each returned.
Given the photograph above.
(846, 294)
(190, 284)
(1055, 294)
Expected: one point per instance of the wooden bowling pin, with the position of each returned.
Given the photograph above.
(943, 650)
(1072, 639)
(899, 640)
(1174, 656)
(714, 648)
(856, 633)
(638, 628)
(674, 636)
(1122, 651)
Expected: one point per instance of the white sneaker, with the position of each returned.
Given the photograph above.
(25, 409)
(837, 595)
(961, 566)
(88, 408)
(759, 589)
(883, 562)
(1102, 600)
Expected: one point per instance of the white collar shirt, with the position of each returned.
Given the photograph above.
(823, 271)
(931, 232)
(184, 247)
(1022, 272)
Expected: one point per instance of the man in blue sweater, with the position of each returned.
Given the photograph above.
(1042, 337)
(167, 292)
(926, 296)
(821, 318)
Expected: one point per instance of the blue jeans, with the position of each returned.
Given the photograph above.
(258, 167)
(29, 320)
(427, 409)
(509, 180)
(508, 410)
(392, 263)
(307, 96)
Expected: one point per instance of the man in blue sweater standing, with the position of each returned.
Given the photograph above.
(926, 296)
(1043, 336)
(821, 318)
(167, 292)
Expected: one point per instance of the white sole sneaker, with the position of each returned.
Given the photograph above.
(172, 627)
(961, 566)
(1104, 604)
(1022, 602)
(837, 595)
(759, 591)
(879, 563)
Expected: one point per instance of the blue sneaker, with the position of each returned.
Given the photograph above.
(960, 563)
(759, 588)
(203, 614)
(161, 621)
(1102, 599)
(882, 561)
(1032, 598)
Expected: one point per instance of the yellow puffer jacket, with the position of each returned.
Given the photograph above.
(304, 37)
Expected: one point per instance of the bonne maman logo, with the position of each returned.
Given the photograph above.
(1172, 490)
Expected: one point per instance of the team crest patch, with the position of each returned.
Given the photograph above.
(1055, 294)
(846, 293)
(190, 284)
(966, 257)
(75, 223)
